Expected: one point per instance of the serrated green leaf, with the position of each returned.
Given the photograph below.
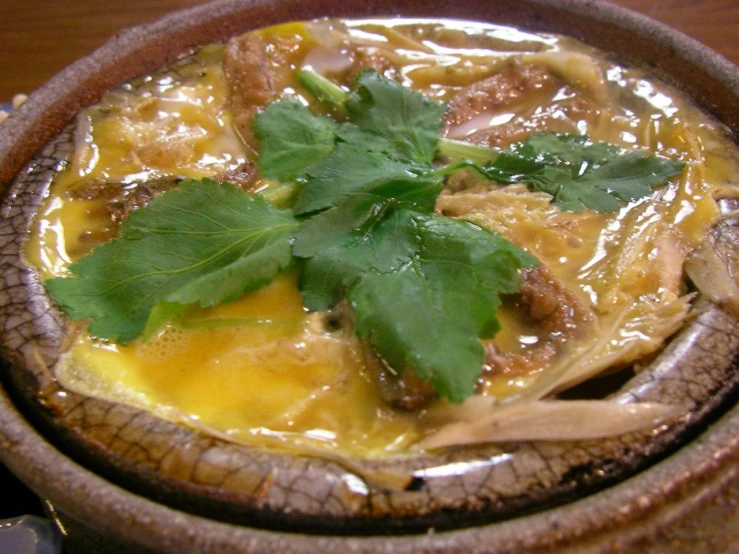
(579, 173)
(347, 172)
(203, 243)
(632, 175)
(429, 314)
(345, 242)
(492, 260)
(292, 139)
(409, 121)
(361, 140)
(423, 289)
(416, 327)
(566, 149)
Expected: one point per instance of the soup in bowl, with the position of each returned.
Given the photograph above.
(376, 276)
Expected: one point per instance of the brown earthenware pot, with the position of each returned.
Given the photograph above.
(156, 485)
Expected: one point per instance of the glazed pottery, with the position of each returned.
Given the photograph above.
(152, 484)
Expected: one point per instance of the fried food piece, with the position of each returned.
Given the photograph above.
(257, 72)
(554, 312)
(501, 90)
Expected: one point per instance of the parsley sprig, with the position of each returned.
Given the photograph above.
(576, 171)
(423, 289)
(202, 243)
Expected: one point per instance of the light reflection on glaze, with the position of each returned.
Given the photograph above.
(462, 468)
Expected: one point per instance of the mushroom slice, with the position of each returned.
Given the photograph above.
(549, 420)
(713, 267)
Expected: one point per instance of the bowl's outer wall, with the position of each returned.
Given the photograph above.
(684, 505)
(145, 48)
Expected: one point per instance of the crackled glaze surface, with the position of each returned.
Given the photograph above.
(205, 475)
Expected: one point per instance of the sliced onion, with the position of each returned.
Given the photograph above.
(323, 60)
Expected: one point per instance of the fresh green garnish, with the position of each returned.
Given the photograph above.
(292, 138)
(343, 243)
(201, 243)
(574, 170)
(429, 313)
(423, 289)
(579, 173)
(408, 121)
(348, 172)
(389, 140)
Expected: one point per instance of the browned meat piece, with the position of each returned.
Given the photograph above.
(112, 202)
(502, 136)
(257, 72)
(401, 391)
(516, 86)
(516, 364)
(510, 86)
(118, 199)
(518, 130)
(559, 117)
(554, 312)
(244, 176)
(549, 303)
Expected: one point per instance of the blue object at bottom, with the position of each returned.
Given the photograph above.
(29, 535)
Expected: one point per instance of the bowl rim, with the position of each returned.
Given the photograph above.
(666, 494)
(64, 94)
(81, 493)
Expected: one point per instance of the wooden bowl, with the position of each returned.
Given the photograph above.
(146, 482)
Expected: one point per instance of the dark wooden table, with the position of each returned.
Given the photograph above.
(40, 37)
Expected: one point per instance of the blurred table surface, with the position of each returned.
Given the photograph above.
(40, 37)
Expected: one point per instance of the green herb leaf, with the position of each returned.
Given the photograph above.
(564, 149)
(632, 175)
(203, 243)
(345, 242)
(423, 289)
(409, 121)
(391, 139)
(429, 314)
(292, 139)
(348, 171)
(579, 173)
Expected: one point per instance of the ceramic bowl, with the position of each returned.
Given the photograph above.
(150, 484)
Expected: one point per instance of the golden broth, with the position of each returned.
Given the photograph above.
(262, 370)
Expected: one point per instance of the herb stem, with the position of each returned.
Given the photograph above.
(334, 96)
(468, 151)
(325, 90)
(462, 164)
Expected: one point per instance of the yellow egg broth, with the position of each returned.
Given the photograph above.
(261, 370)
(175, 122)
